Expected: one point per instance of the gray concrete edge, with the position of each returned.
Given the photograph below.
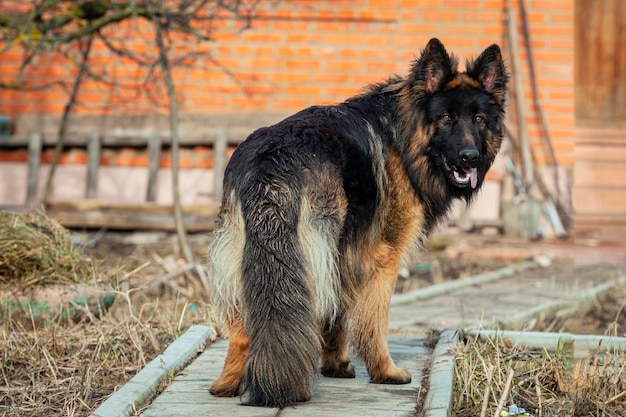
(441, 379)
(138, 390)
(437, 289)
(582, 297)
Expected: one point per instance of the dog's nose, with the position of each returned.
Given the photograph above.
(469, 156)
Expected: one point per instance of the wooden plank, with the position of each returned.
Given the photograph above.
(138, 138)
(188, 394)
(147, 216)
(600, 60)
(140, 208)
(34, 162)
(93, 165)
(599, 201)
(608, 174)
(154, 157)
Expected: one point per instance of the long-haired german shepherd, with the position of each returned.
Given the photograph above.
(319, 209)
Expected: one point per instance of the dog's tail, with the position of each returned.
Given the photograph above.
(279, 306)
(288, 286)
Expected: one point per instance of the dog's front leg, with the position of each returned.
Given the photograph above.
(369, 322)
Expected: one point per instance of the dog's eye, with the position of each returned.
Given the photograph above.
(446, 117)
(478, 119)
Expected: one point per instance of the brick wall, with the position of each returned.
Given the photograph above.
(300, 53)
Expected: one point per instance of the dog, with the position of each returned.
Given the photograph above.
(319, 209)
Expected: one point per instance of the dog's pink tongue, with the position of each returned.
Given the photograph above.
(473, 173)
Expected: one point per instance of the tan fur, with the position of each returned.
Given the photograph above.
(229, 382)
(225, 256)
(462, 79)
(369, 316)
(320, 253)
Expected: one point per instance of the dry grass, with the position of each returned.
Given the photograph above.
(37, 250)
(69, 369)
(62, 367)
(545, 384)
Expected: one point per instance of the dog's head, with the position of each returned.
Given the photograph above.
(461, 113)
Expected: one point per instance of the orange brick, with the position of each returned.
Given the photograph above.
(462, 3)
(494, 4)
(431, 15)
(367, 14)
(185, 163)
(290, 104)
(416, 3)
(267, 38)
(383, 68)
(293, 38)
(290, 77)
(263, 63)
(302, 64)
(325, 14)
(344, 66)
(345, 14)
(332, 26)
(292, 25)
(482, 16)
(330, 78)
(550, 5)
(260, 89)
(562, 18)
(378, 40)
(13, 156)
(337, 93)
(249, 102)
(348, 52)
(342, 38)
(206, 101)
(303, 90)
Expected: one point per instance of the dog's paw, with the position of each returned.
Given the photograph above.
(342, 370)
(224, 389)
(393, 376)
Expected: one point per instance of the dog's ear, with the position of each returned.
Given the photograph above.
(434, 68)
(490, 71)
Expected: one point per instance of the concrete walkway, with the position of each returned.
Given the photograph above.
(516, 298)
(503, 301)
(189, 396)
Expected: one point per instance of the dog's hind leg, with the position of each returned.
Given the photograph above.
(229, 382)
(335, 356)
(369, 321)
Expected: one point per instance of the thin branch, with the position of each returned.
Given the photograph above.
(173, 104)
(58, 148)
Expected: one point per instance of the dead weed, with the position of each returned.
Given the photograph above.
(69, 369)
(545, 384)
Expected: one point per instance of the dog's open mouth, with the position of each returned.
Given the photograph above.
(461, 176)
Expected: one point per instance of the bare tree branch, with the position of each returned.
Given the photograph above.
(58, 148)
(173, 104)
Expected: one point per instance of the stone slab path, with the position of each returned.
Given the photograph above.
(188, 395)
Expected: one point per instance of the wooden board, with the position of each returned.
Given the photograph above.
(145, 216)
(188, 394)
